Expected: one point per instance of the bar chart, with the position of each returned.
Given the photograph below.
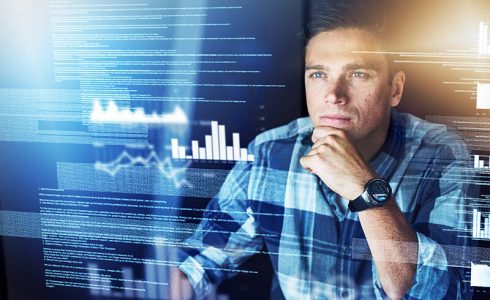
(480, 275)
(483, 39)
(482, 95)
(480, 163)
(215, 147)
(155, 284)
(478, 231)
(104, 285)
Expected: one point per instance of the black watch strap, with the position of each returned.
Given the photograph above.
(359, 203)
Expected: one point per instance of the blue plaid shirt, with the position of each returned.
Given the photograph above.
(307, 229)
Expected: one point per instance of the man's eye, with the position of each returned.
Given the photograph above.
(359, 74)
(317, 75)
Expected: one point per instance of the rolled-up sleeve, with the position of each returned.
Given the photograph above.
(432, 277)
(441, 222)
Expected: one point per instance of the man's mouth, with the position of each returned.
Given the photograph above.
(335, 120)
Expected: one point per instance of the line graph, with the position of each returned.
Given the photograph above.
(126, 160)
(114, 114)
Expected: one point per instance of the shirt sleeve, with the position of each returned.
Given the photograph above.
(440, 221)
(226, 236)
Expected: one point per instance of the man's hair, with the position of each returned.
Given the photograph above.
(369, 15)
(374, 16)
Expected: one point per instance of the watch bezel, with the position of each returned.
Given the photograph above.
(372, 199)
(367, 200)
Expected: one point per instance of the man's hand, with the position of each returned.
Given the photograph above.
(337, 162)
(180, 287)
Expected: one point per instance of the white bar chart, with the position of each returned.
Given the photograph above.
(104, 285)
(480, 275)
(480, 163)
(483, 39)
(215, 147)
(154, 285)
(481, 228)
(482, 95)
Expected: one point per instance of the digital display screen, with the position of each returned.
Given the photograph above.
(121, 120)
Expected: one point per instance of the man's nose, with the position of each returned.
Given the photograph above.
(336, 91)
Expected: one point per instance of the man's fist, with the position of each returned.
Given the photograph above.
(337, 162)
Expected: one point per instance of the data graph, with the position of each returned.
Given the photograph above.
(122, 283)
(114, 114)
(215, 147)
(104, 285)
(126, 160)
(481, 228)
(155, 284)
(480, 163)
(482, 95)
(480, 275)
(483, 39)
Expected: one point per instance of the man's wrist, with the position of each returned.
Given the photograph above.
(360, 186)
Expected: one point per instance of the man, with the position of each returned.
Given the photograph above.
(356, 170)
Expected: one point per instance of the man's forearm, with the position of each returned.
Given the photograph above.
(394, 247)
(341, 165)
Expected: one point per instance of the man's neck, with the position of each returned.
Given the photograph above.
(371, 145)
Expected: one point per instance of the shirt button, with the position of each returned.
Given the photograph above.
(344, 294)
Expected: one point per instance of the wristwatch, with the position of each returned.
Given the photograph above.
(376, 193)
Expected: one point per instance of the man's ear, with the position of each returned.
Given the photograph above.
(397, 84)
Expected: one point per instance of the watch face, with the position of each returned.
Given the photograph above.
(379, 191)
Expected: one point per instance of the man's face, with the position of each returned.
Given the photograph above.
(348, 90)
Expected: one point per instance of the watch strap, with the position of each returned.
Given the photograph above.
(359, 203)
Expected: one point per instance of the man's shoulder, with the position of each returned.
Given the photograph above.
(288, 133)
(427, 135)
(420, 129)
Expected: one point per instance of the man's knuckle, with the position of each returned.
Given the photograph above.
(323, 148)
(341, 133)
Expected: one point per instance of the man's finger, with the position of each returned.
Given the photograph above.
(321, 149)
(307, 163)
(328, 140)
